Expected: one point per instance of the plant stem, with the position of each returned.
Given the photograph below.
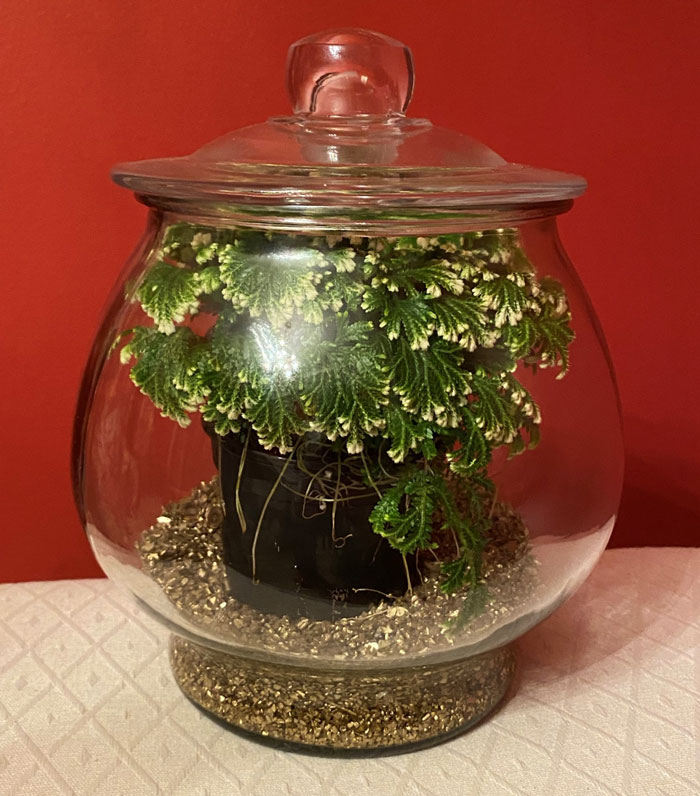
(454, 537)
(493, 502)
(241, 465)
(408, 574)
(369, 475)
(221, 490)
(376, 489)
(267, 503)
(335, 502)
(382, 445)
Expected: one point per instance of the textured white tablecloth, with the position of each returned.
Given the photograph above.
(608, 703)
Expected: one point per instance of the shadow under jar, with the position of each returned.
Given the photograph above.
(408, 449)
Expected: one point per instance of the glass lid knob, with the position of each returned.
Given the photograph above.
(349, 72)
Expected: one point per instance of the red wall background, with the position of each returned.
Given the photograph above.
(605, 89)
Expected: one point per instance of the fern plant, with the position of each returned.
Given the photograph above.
(401, 353)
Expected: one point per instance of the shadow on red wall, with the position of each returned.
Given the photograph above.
(656, 508)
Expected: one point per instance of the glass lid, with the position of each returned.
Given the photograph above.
(348, 143)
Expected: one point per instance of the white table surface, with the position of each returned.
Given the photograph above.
(608, 703)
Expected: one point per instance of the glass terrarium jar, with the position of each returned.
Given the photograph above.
(349, 427)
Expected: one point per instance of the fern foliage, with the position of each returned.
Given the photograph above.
(404, 513)
(404, 351)
(166, 369)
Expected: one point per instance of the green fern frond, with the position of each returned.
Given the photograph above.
(344, 385)
(342, 259)
(231, 369)
(474, 451)
(521, 338)
(492, 409)
(341, 293)
(168, 294)
(404, 514)
(414, 279)
(167, 369)
(459, 320)
(410, 318)
(552, 345)
(455, 573)
(506, 297)
(408, 434)
(209, 279)
(429, 382)
(273, 409)
(271, 284)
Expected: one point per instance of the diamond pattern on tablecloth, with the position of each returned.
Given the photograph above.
(11, 648)
(94, 681)
(21, 684)
(61, 651)
(14, 596)
(608, 703)
(34, 620)
(98, 618)
(25, 769)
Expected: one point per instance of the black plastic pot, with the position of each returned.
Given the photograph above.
(300, 565)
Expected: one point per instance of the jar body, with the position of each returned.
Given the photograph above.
(367, 462)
